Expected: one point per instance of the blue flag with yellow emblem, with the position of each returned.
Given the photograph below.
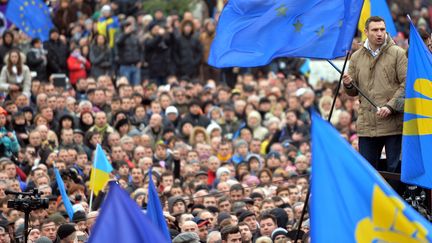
(417, 129)
(30, 16)
(253, 32)
(350, 201)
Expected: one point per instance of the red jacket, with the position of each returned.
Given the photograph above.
(76, 69)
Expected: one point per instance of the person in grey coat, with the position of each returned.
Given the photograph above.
(100, 57)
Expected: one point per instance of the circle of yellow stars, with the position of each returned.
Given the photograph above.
(24, 21)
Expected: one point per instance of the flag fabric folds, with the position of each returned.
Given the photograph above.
(66, 201)
(417, 129)
(30, 16)
(376, 8)
(121, 220)
(100, 172)
(252, 33)
(350, 201)
(154, 209)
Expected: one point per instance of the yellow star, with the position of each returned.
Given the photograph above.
(282, 10)
(298, 26)
(23, 23)
(320, 31)
(21, 8)
(340, 23)
(21, 15)
(33, 2)
(27, 29)
(26, 3)
(39, 30)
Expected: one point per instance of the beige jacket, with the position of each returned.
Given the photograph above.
(382, 79)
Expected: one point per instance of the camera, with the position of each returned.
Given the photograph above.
(72, 174)
(27, 201)
(416, 197)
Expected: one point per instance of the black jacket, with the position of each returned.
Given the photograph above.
(187, 55)
(57, 56)
(37, 64)
(158, 51)
(129, 49)
(100, 58)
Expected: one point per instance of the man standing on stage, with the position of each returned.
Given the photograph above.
(379, 70)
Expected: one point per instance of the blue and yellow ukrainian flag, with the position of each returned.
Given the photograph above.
(252, 33)
(417, 129)
(30, 16)
(350, 201)
(108, 27)
(100, 171)
(376, 8)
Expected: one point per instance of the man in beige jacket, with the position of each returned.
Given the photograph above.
(379, 69)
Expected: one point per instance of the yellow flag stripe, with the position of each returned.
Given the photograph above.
(424, 87)
(419, 126)
(365, 14)
(419, 106)
(98, 180)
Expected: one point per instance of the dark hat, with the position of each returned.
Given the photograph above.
(120, 123)
(79, 216)
(228, 107)
(27, 109)
(65, 230)
(43, 239)
(200, 222)
(244, 215)
(78, 131)
(54, 30)
(151, 25)
(222, 216)
(273, 154)
(201, 172)
(34, 41)
(254, 195)
(264, 100)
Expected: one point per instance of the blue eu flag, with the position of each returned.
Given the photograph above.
(417, 129)
(67, 203)
(253, 32)
(350, 201)
(30, 16)
(121, 220)
(154, 209)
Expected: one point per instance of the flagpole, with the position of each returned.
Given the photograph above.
(306, 202)
(92, 190)
(356, 87)
(339, 85)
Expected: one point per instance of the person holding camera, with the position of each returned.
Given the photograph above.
(77, 65)
(129, 53)
(15, 77)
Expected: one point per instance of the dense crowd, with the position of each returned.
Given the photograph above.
(229, 148)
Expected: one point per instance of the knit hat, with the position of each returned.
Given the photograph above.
(79, 216)
(240, 142)
(65, 230)
(281, 216)
(186, 237)
(173, 200)
(222, 170)
(43, 239)
(277, 232)
(106, 8)
(222, 216)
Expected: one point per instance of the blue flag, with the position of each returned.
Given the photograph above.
(154, 209)
(417, 129)
(253, 32)
(30, 16)
(67, 203)
(121, 220)
(350, 201)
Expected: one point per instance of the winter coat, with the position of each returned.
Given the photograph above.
(77, 69)
(129, 50)
(158, 50)
(382, 79)
(24, 80)
(37, 62)
(57, 56)
(100, 58)
(187, 55)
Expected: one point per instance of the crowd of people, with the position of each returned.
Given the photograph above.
(229, 148)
